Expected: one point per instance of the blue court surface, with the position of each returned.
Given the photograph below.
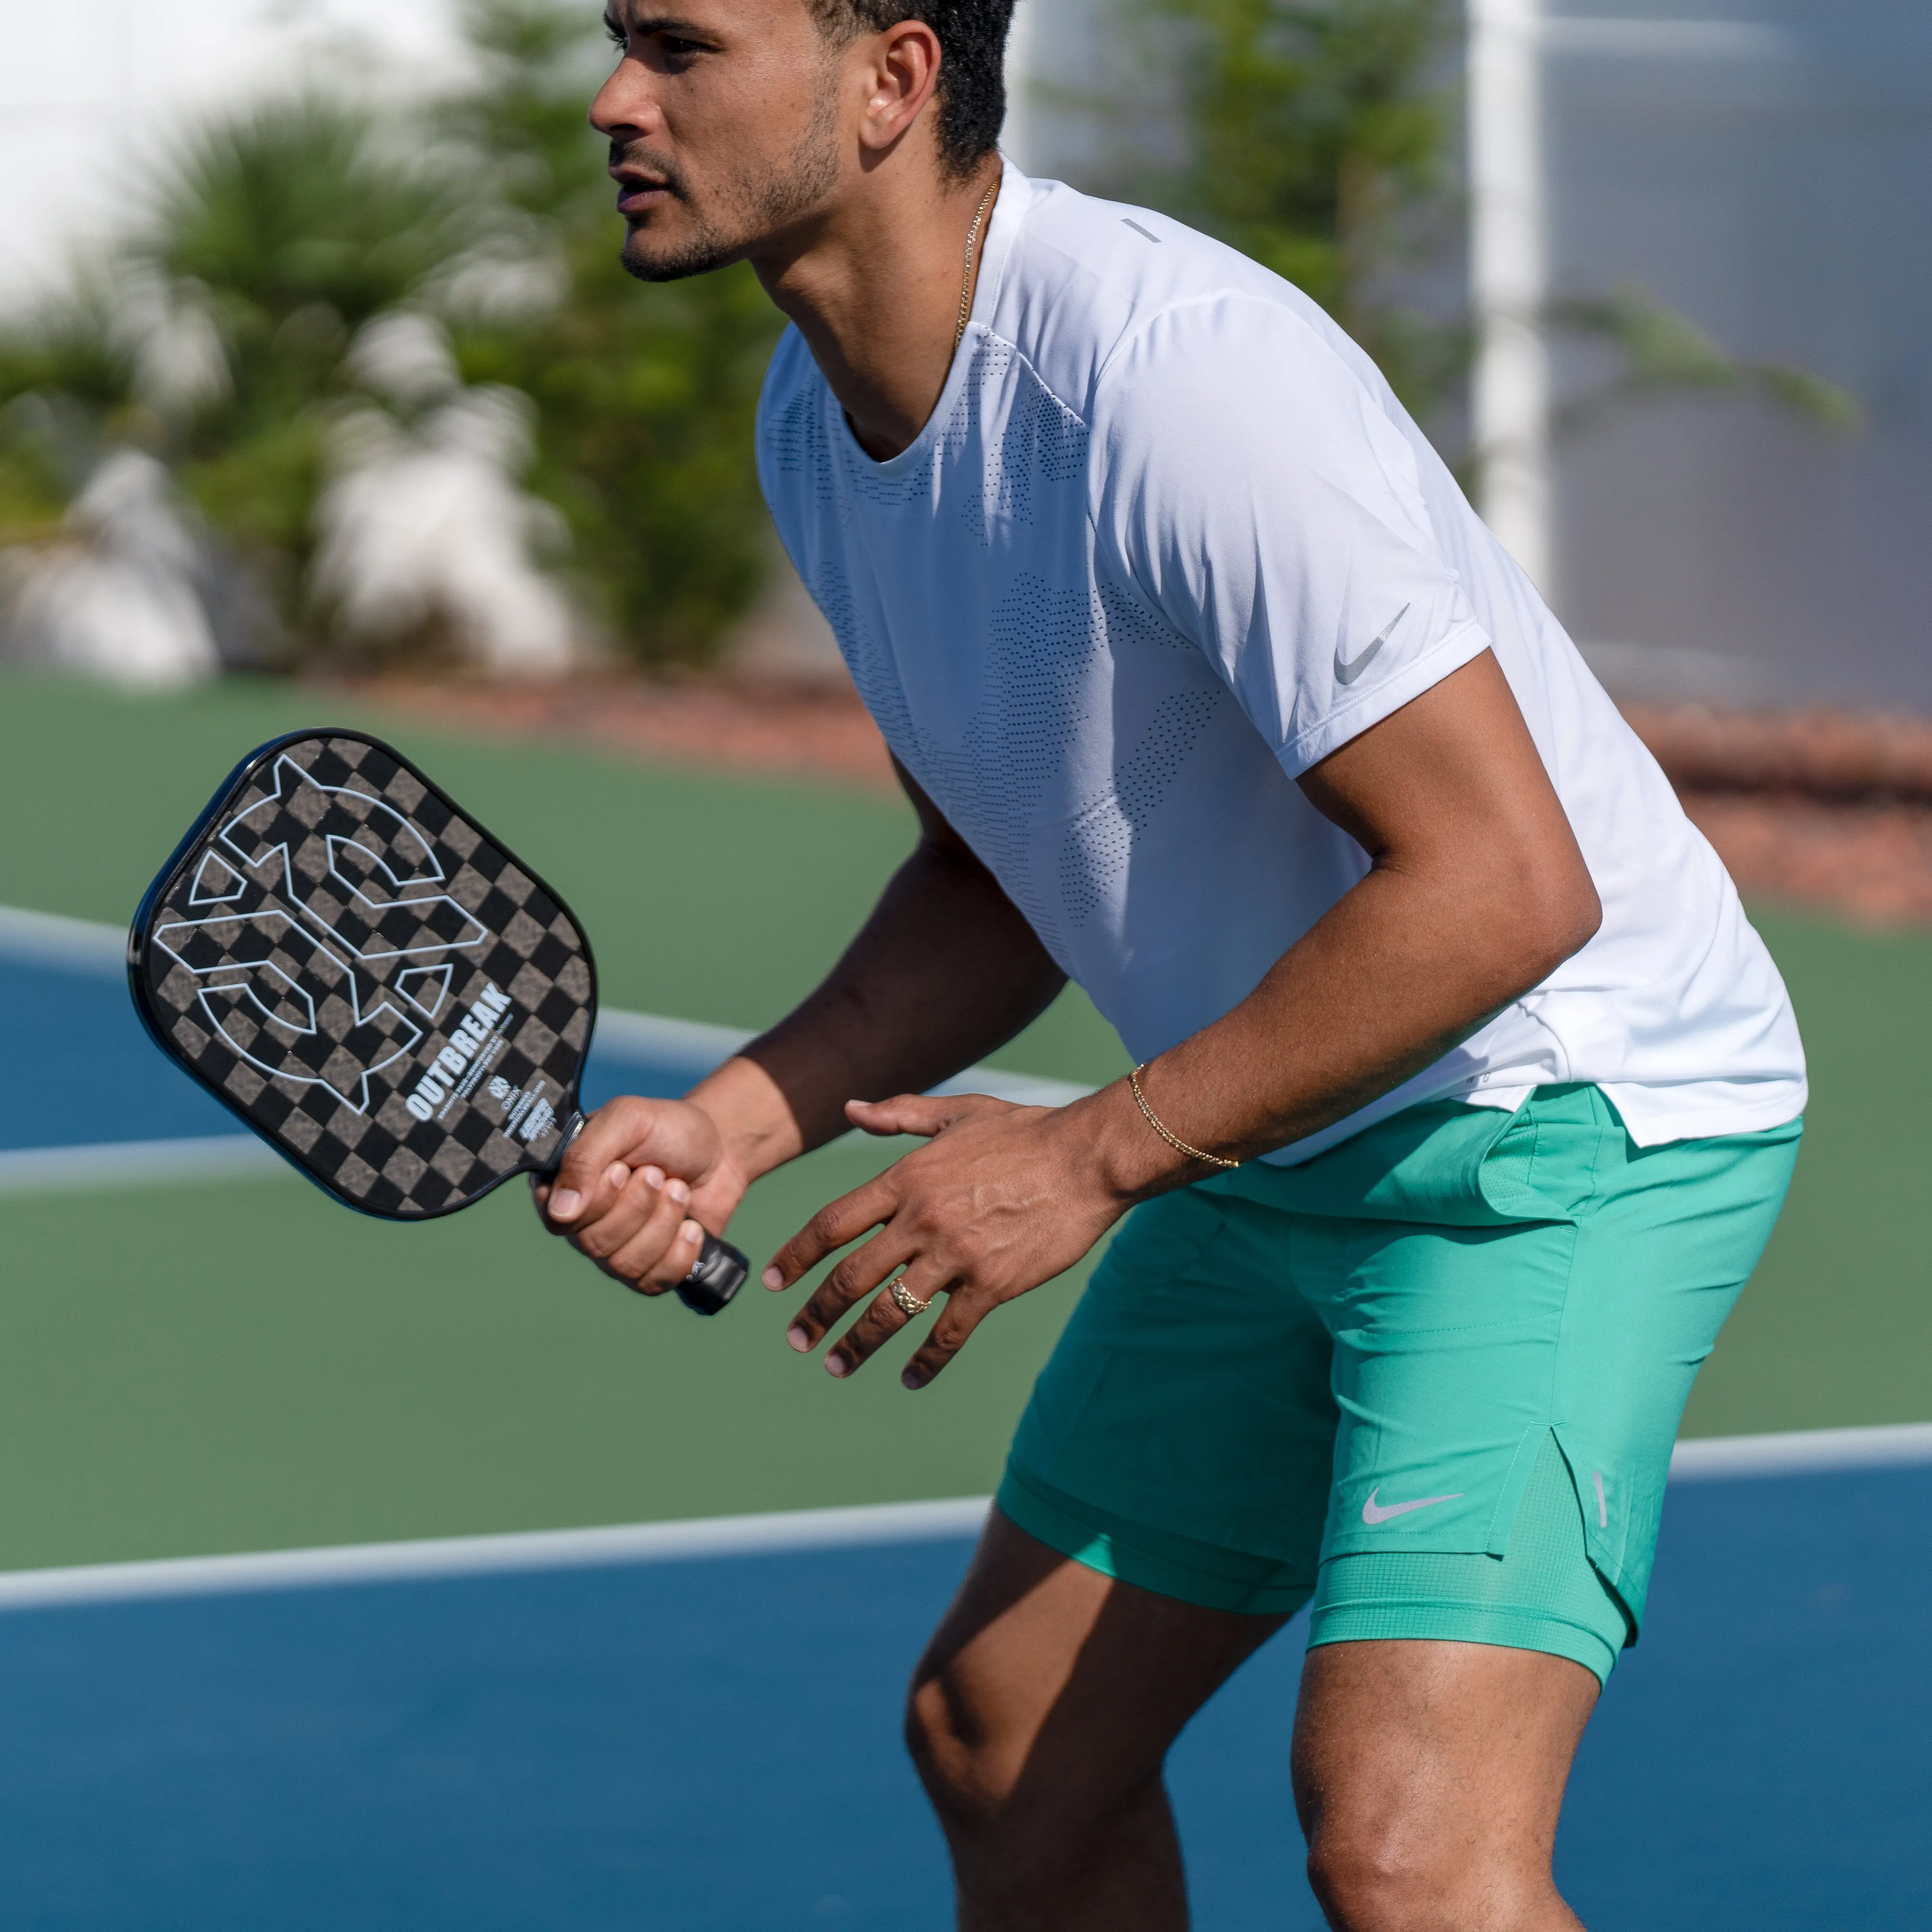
(711, 1744)
(699, 1729)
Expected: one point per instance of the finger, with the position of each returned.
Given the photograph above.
(840, 1221)
(629, 1129)
(623, 1203)
(609, 1134)
(881, 1321)
(854, 1278)
(964, 1311)
(665, 1248)
(922, 1114)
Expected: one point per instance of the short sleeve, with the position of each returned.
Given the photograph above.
(1252, 488)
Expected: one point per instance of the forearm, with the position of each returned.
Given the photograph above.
(1476, 892)
(944, 972)
(1394, 975)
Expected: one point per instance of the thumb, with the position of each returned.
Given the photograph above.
(919, 1114)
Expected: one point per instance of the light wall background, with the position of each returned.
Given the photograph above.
(89, 94)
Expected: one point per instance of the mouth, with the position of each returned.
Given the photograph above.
(638, 194)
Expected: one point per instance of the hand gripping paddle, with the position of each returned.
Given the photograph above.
(379, 989)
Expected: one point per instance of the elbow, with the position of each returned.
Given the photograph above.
(1565, 915)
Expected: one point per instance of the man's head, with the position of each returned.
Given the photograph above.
(732, 121)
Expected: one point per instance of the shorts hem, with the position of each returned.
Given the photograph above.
(1449, 1622)
(1190, 1572)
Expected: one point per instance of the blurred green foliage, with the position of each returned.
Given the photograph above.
(646, 393)
(1657, 350)
(1317, 142)
(219, 338)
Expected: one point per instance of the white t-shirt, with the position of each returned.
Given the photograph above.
(1168, 541)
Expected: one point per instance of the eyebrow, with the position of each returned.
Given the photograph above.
(653, 23)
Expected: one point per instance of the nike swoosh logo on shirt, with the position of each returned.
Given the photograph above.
(1346, 672)
(1373, 1513)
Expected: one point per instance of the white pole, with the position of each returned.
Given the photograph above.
(1510, 275)
(1017, 140)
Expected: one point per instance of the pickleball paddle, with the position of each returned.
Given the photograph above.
(374, 985)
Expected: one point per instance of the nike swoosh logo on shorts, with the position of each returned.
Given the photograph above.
(1346, 672)
(1373, 1513)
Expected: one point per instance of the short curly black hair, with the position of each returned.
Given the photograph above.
(972, 67)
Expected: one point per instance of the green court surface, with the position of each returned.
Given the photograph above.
(244, 1365)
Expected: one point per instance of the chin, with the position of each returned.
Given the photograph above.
(662, 258)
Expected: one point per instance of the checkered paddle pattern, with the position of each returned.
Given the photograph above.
(333, 951)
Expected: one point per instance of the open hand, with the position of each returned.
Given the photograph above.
(1001, 1198)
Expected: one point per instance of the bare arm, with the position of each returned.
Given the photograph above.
(945, 970)
(1476, 892)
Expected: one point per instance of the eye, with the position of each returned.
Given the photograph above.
(676, 48)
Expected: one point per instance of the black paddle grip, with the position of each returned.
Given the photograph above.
(719, 1274)
(720, 1270)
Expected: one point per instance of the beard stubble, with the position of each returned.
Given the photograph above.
(744, 208)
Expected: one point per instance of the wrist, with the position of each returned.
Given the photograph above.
(756, 1130)
(1129, 1161)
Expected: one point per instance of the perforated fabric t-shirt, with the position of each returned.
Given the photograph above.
(1168, 540)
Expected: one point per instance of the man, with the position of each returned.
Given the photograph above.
(1465, 1097)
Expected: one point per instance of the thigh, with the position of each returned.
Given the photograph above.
(1051, 1683)
(1437, 1769)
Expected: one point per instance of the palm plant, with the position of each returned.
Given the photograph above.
(645, 394)
(221, 339)
(287, 229)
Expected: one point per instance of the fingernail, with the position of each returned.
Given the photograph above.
(799, 1340)
(692, 1230)
(772, 1279)
(912, 1380)
(655, 1176)
(836, 1365)
(563, 1204)
(679, 1191)
(616, 1175)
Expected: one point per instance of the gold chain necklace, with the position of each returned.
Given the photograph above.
(966, 281)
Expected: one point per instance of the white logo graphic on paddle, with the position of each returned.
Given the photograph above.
(1373, 1512)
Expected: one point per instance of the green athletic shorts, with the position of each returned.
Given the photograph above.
(1431, 1377)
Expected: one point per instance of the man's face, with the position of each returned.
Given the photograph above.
(723, 117)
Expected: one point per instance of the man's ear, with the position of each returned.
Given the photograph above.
(900, 73)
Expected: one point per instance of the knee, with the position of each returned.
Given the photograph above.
(1017, 1826)
(970, 1767)
(1379, 1880)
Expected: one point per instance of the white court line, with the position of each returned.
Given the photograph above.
(1801, 1452)
(689, 1048)
(692, 1047)
(139, 1164)
(786, 1530)
(1707, 1460)
(47, 939)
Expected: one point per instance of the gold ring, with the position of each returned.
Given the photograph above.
(908, 1303)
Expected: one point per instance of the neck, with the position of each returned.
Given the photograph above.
(875, 290)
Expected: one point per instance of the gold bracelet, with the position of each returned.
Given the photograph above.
(1173, 1141)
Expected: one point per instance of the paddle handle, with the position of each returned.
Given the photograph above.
(720, 1270)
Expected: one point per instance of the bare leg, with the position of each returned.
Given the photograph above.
(1039, 1718)
(1429, 1776)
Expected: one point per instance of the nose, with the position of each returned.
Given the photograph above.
(623, 108)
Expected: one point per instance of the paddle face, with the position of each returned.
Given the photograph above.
(372, 983)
